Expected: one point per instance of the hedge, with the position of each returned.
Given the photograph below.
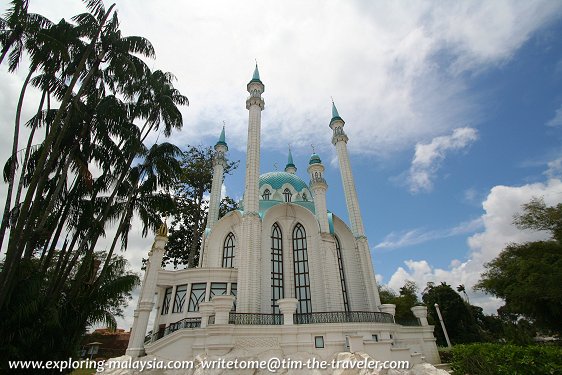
(500, 359)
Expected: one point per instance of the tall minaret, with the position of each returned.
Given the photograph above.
(249, 245)
(340, 139)
(290, 167)
(254, 104)
(219, 164)
(146, 298)
(319, 186)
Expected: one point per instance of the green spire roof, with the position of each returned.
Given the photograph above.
(256, 76)
(335, 114)
(334, 110)
(222, 138)
(290, 162)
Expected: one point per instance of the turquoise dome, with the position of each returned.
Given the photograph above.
(277, 179)
(314, 159)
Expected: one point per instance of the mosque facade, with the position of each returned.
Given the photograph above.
(282, 274)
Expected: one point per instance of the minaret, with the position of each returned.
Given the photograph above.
(249, 245)
(146, 298)
(254, 104)
(219, 164)
(319, 186)
(340, 139)
(290, 167)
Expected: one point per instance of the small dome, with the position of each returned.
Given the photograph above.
(277, 179)
(314, 159)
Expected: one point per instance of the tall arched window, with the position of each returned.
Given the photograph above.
(302, 278)
(266, 194)
(287, 193)
(228, 251)
(276, 268)
(342, 275)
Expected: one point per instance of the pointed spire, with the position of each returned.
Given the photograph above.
(256, 76)
(290, 167)
(222, 139)
(335, 113)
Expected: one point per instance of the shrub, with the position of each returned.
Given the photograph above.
(500, 359)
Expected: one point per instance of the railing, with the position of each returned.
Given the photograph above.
(181, 324)
(343, 317)
(255, 319)
(148, 337)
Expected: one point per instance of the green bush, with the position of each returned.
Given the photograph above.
(500, 359)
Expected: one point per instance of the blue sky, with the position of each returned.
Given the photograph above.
(451, 109)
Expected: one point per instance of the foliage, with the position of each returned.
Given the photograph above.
(190, 212)
(527, 276)
(404, 301)
(42, 329)
(457, 315)
(499, 359)
(83, 169)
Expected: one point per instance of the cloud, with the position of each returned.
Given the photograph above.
(402, 80)
(501, 204)
(554, 168)
(429, 156)
(557, 119)
(417, 236)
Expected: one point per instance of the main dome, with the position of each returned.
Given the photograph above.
(277, 179)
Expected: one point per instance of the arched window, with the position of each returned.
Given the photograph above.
(276, 268)
(228, 251)
(342, 275)
(266, 194)
(287, 193)
(304, 198)
(302, 278)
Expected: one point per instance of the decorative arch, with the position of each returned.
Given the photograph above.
(302, 276)
(342, 275)
(266, 195)
(287, 194)
(277, 291)
(228, 251)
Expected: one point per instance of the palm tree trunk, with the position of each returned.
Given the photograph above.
(14, 158)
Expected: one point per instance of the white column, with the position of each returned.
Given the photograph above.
(219, 163)
(248, 246)
(288, 307)
(146, 303)
(348, 183)
(319, 186)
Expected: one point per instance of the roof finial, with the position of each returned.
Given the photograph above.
(275, 166)
(314, 152)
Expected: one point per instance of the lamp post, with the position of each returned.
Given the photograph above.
(443, 325)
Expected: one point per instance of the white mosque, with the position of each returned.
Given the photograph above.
(282, 274)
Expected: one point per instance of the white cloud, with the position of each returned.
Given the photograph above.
(557, 119)
(392, 84)
(411, 237)
(429, 156)
(502, 203)
(554, 168)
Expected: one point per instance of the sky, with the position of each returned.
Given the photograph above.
(453, 112)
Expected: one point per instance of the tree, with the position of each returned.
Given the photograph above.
(457, 315)
(190, 214)
(527, 276)
(90, 170)
(404, 301)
